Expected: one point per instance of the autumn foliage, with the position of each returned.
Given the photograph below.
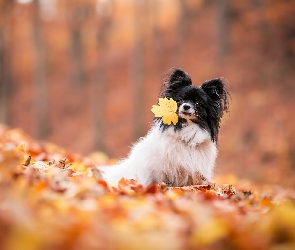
(85, 73)
(52, 199)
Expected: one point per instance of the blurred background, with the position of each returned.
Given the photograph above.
(84, 73)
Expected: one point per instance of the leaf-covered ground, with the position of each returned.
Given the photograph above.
(52, 199)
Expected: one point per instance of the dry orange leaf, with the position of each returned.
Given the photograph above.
(166, 109)
(74, 206)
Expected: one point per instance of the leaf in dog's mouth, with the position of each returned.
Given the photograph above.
(166, 109)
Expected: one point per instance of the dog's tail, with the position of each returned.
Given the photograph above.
(113, 174)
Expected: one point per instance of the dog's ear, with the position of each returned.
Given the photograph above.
(216, 90)
(173, 81)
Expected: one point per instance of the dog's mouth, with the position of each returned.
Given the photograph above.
(186, 115)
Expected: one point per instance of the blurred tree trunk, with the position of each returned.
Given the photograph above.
(157, 39)
(3, 83)
(5, 10)
(259, 6)
(222, 28)
(138, 69)
(99, 93)
(265, 40)
(182, 31)
(77, 16)
(41, 102)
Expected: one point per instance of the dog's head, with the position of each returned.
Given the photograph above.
(202, 105)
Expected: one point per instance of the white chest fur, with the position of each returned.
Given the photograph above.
(168, 156)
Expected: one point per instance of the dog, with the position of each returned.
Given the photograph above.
(183, 153)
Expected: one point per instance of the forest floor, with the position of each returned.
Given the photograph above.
(53, 199)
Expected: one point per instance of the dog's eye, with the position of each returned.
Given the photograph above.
(198, 105)
(179, 101)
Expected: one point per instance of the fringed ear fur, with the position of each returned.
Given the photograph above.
(216, 90)
(173, 81)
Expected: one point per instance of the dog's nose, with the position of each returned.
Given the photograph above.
(186, 107)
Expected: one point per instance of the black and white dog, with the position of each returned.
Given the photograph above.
(178, 154)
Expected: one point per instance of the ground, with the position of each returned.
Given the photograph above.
(53, 199)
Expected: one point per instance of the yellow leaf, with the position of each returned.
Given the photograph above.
(166, 109)
(20, 148)
(78, 167)
(211, 231)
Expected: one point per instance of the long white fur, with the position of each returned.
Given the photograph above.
(170, 156)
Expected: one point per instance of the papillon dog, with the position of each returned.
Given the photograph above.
(180, 154)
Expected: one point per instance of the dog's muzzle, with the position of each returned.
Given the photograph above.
(186, 110)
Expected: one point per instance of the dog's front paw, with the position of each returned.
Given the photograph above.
(200, 179)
